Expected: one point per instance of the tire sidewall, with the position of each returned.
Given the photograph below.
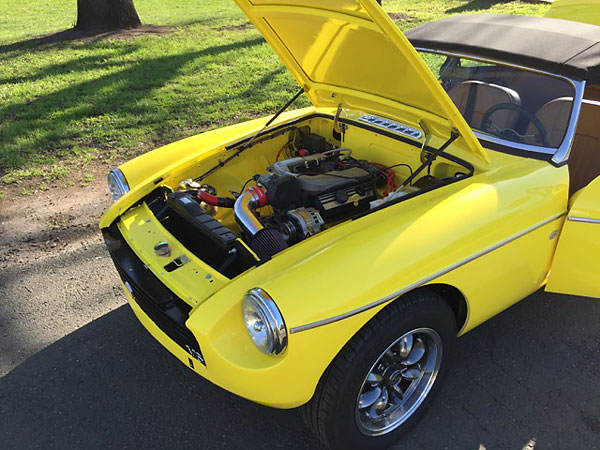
(344, 432)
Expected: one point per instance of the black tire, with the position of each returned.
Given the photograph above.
(331, 413)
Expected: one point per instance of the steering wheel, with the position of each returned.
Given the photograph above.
(488, 125)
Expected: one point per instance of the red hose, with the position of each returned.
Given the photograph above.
(259, 195)
(225, 202)
(209, 199)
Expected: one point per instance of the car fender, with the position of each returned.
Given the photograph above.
(144, 172)
(329, 286)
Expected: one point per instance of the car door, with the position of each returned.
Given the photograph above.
(576, 266)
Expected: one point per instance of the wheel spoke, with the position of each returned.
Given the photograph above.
(406, 345)
(411, 373)
(382, 402)
(374, 378)
(371, 413)
(398, 392)
(417, 352)
(369, 398)
(392, 356)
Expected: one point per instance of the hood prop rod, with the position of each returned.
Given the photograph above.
(432, 157)
(253, 138)
(272, 119)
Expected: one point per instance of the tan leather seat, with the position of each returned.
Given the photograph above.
(485, 95)
(554, 115)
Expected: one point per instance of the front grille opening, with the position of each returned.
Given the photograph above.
(163, 307)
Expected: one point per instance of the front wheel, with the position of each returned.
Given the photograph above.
(386, 376)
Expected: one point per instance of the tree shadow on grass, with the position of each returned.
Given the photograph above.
(49, 118)
(253, 94)
(477, 5)
(61, 36)
(110, 58)
(72, 35)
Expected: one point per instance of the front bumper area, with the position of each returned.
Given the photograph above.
(151, 298)
(198, 318)
(210, 338)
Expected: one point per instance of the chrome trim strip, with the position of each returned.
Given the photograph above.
(519, 146)
(424, 281)
(583, 219)
(565, 148)
(561, 153)
(590, 102)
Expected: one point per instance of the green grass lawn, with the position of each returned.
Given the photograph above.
(64, 103)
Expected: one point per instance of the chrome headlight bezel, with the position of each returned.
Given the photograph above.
(258, 302)
(117, 184)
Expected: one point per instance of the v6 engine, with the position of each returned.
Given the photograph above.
(306, 193)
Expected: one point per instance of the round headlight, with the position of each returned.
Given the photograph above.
(117, 184)
(264, 322)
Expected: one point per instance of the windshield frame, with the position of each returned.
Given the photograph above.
(558, 155)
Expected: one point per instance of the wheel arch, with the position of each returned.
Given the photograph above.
(453, 297)
(432, 296)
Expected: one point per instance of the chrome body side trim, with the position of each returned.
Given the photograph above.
(583, 219)
(426, 280)
(561, 153)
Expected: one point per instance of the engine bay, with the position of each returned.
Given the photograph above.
(313, 183)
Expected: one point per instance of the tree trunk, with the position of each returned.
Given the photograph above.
(106, 15)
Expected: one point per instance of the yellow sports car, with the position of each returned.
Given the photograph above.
(327, 258)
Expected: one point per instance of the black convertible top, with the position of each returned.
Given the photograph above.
(558, 46)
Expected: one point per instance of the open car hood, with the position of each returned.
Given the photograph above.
(586, 11)
(350, 53)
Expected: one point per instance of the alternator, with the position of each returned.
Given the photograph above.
(303, 223)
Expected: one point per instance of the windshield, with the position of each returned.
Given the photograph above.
(509, 103)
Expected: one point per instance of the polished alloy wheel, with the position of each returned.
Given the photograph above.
(399, 381)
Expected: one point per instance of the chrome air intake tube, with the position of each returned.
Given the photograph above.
(242, 209)
(265, 242)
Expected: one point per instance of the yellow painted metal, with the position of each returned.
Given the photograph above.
(350, 52)
(359, 262)
(173, 161)
(587, 11)
(576, 266)
(353, 265)
(192, 282)
(170, 164)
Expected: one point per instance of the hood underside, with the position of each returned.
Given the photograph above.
(350, 52)
(586, 11)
